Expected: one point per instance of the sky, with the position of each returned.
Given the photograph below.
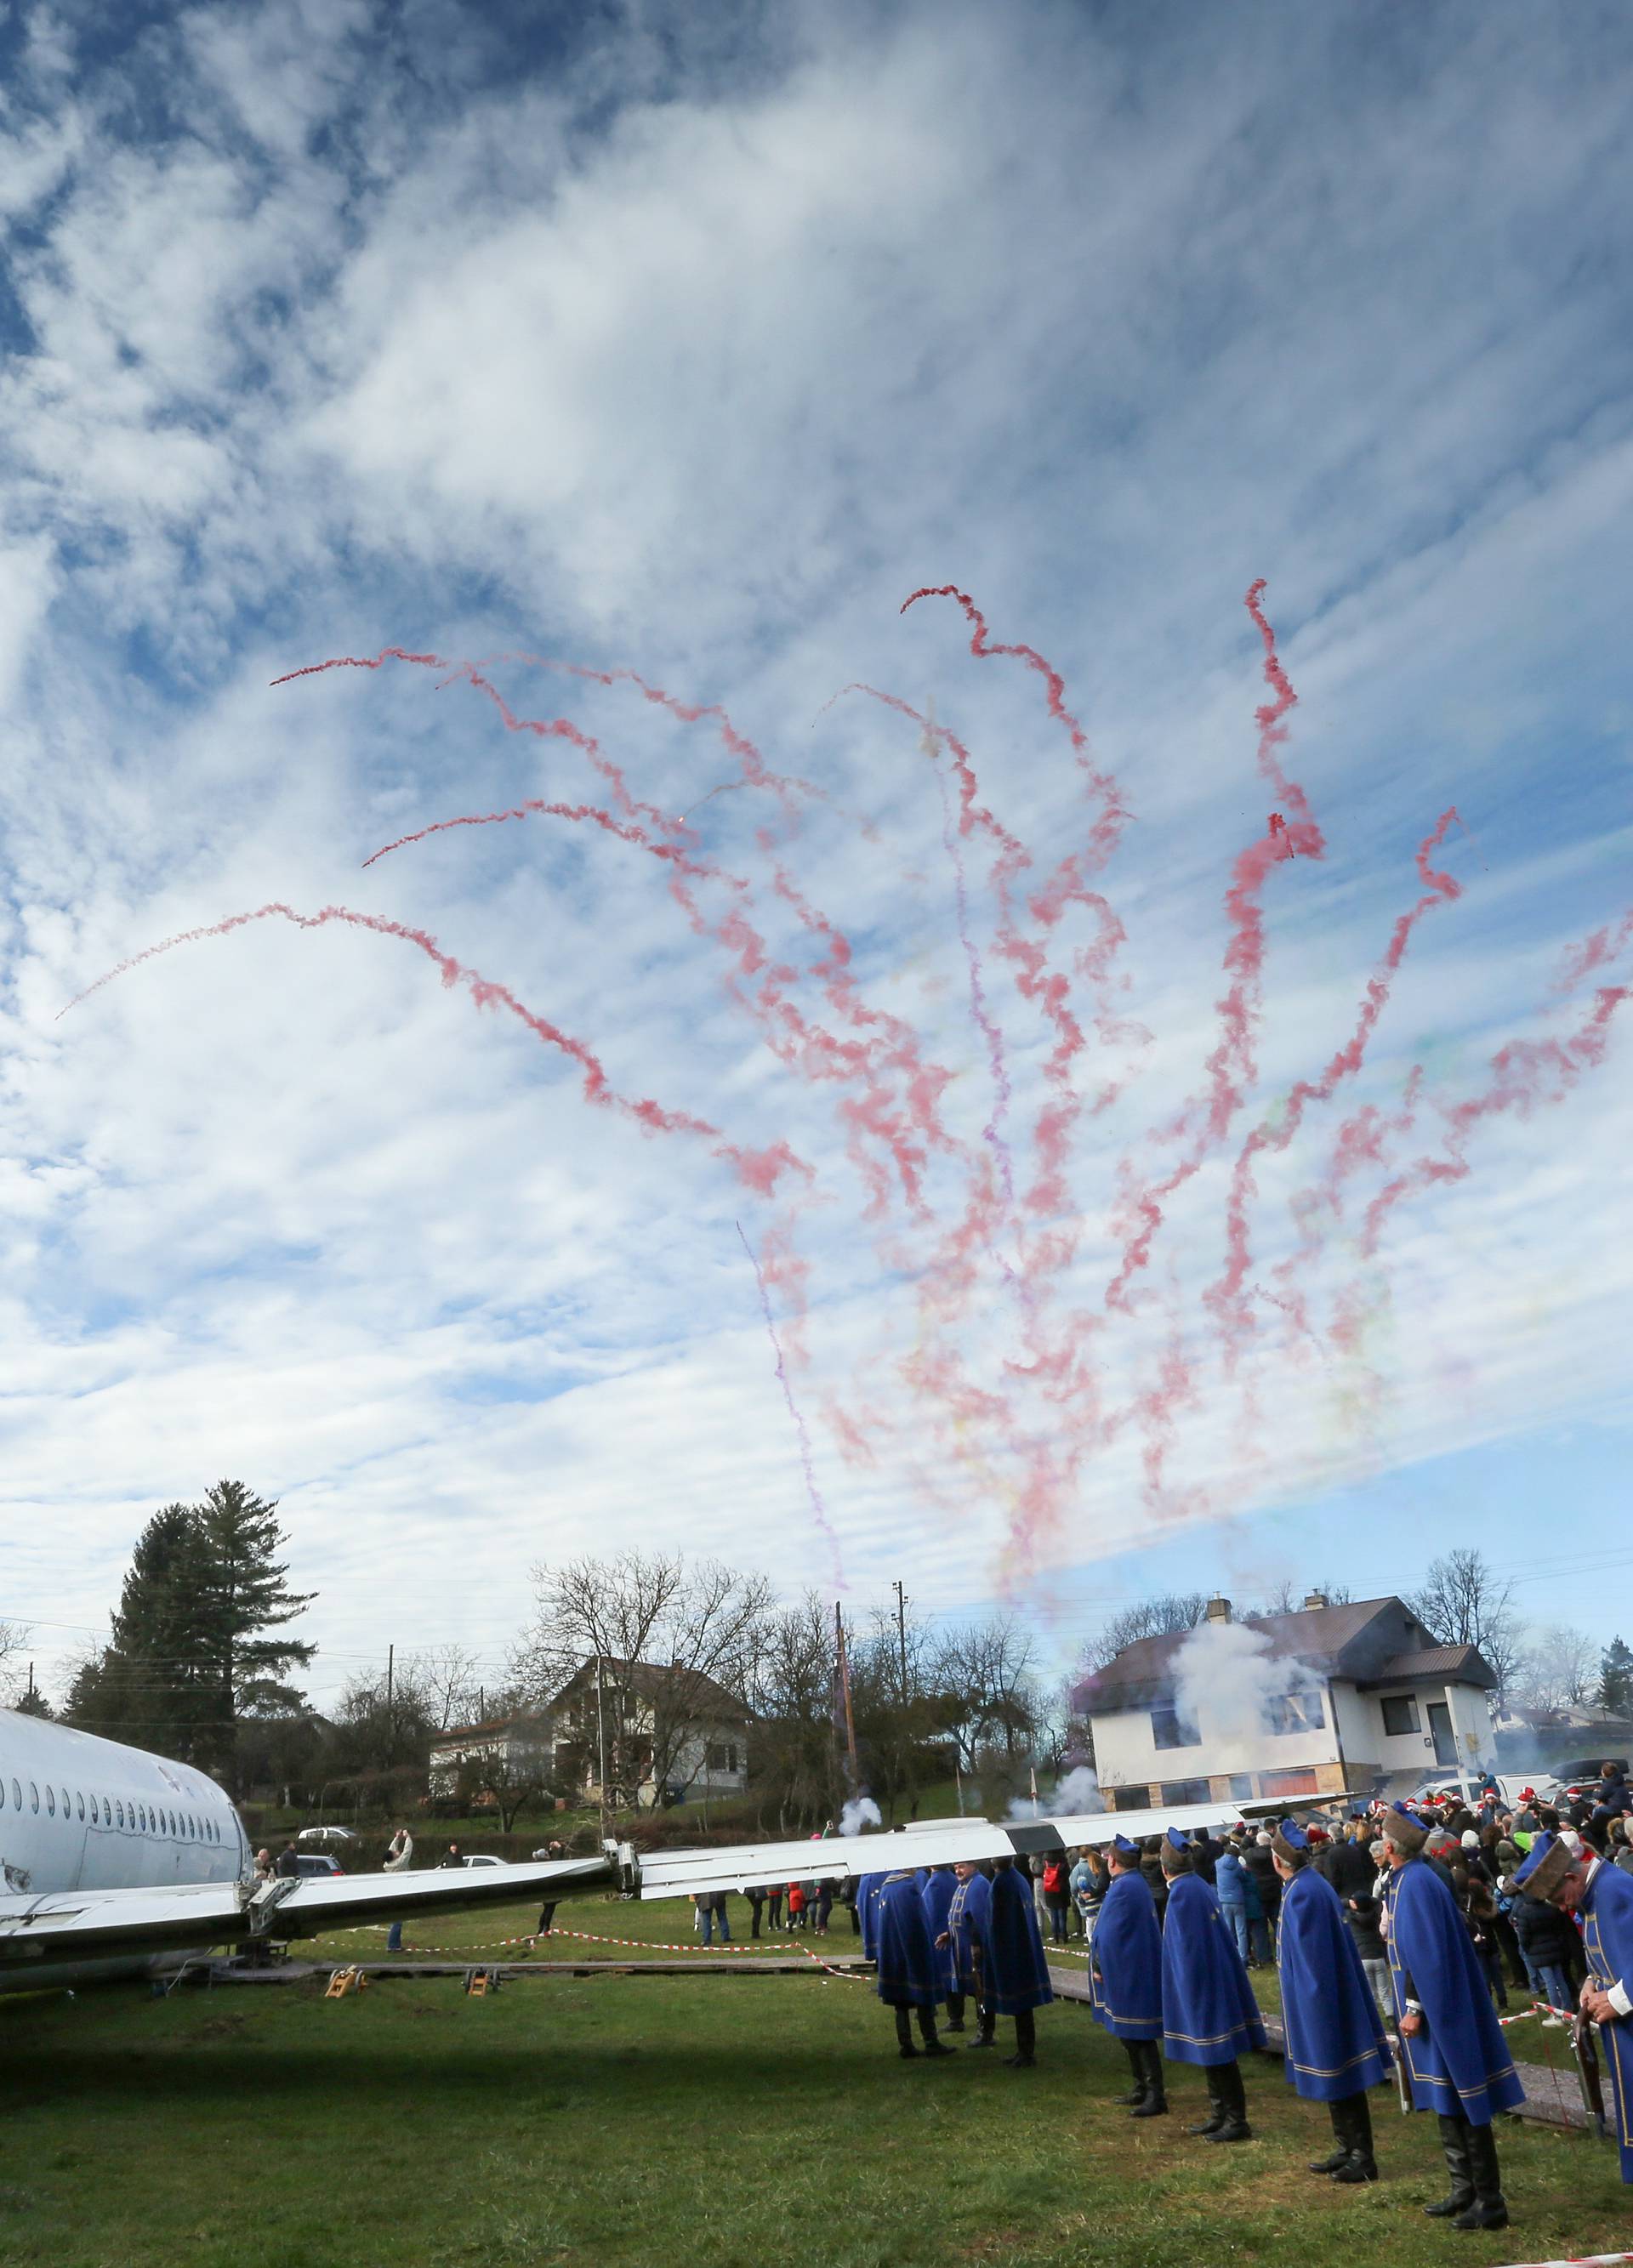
(680, 348)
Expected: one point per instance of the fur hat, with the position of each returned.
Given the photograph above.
(1405, 1832)
(1290, 1844)
(1549, 1861)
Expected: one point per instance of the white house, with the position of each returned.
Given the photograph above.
(1358, 1696)
(662, 1730)
(516, 1748)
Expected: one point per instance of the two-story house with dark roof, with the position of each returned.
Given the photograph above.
(1372, 1701)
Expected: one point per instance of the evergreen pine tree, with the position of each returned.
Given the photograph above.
(1615, 1679)
(244, 1597)
(153, 1683)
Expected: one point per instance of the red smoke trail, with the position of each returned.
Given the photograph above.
(759, 1169)
(362, 661)
(797, 1042)
(1526, 1074)
(1232, 1067)
(819, 1510)
(1226, 1297)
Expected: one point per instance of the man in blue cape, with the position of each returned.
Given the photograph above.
(866, 1908)
(1336, 2044)
(1601, 1896)
(1209, 2014)
(1456, 2058)
(938, 1896)
(962, 1940)
(1125, 1976)
(1017, 1974)
(908, 1977)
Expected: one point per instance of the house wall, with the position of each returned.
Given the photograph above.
(1349, 1751)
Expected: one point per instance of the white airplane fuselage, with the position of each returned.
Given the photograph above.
(80, 1812)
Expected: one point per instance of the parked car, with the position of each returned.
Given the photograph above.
(480, 1859)
(1583, 1775)
(1509, 1786)
(308, 1863)
(327, 1835)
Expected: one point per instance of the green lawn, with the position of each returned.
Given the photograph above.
(726, 2122)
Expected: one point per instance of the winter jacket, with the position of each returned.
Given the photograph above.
(1546, 1935)
(1260, 1865)
(1231, 1881)
(1364, 1916)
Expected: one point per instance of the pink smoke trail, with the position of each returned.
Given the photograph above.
(819, 1510)
(1526, 1072)
(759, 1169)
(1232, 1066)
(1226, 1298)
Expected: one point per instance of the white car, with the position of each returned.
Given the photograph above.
(480, 1859)
(326, 1835)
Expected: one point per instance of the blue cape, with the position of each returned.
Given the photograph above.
(1125, 1976)
(1458, 2062)
(967, 1916)
(907, 1965)
(866, 1908)
(1018, 1974)
(1336, 2044)
(1608, 1934)
(1209, 2014)
(938, 1896)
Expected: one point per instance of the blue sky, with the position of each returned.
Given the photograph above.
(693, 350)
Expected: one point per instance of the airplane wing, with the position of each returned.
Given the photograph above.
(96, 1925)
(938, 1843)
(926, 1843)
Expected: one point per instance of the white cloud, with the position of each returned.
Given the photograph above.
(703, 378)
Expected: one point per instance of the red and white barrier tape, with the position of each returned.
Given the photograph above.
(589, 1937)
(1578, 2260)
(1539, 2008)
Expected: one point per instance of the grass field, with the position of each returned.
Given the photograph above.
(726, 2121)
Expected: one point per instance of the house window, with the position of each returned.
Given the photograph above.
(1178, 1792)
(1131, 1798)
(1171, 1730)
(1241, 1787)
(1294, 1712)
(1401, 1713)
(723, 1756)
(1301, 1780)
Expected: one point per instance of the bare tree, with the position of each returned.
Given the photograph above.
(445, 1679)
(699, 1625)
(1558, 1670)
(14, 1637)
(987, 1694)
(1155, 1617)
(1462, 1603)
(510, 1773)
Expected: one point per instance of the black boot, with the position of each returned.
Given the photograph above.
(1454, 2141)
(984, 2022)
(1360, 2165)
(1337, 2112)
(904, 2032)
(955, 2012)
(1154, 2104)
(1489, 2207)
(926, 2032)
(1025, 2041)
(1235, 2128)
(1216, 2117)
(1137, 2063)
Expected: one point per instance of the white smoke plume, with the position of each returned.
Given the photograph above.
(861, 1811)
(1226, 1676)
(1073, 1796)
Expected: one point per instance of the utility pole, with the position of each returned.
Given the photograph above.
(391, 1705)
(901, 1633)
(845, 1690)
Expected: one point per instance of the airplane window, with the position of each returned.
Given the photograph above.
(65, 1803)
(16, 1793)
(79, 1803)
(34, 1795)
(50, 1801)
(2, 1795)
(120, 1808)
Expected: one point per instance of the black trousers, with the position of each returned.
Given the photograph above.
(1025, 2031)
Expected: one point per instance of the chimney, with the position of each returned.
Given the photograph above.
(1218, 1609)
(1314, 1599)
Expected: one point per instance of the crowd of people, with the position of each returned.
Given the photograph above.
(1414, 1919)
